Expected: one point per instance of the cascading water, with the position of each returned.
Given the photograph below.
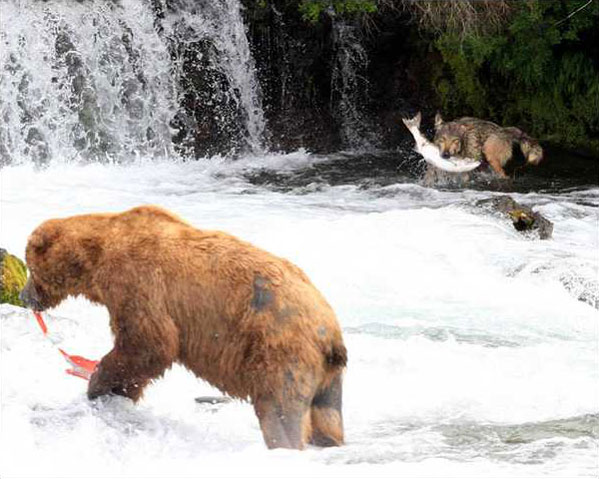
(213, 64)
(349, 86)
(101, 80)
(85, 80)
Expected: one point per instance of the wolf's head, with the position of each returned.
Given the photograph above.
(449, 137)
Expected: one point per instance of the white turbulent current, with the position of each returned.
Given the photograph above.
(470, 353)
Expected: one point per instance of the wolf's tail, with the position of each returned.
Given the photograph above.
(532, 151)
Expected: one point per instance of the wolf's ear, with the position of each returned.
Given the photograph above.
(438, 120)
(418, 118)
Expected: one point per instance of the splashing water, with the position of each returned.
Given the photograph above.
(98, 80)
(473, 349)
(468, 354)
(213, 35)
(83, 81)
(349, 87)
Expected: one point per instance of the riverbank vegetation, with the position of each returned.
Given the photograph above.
(534, 64)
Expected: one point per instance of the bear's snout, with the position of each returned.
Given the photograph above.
(30, 297)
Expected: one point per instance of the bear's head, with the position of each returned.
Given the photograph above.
(60, 261)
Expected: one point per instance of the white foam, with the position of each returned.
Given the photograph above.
(450, 317)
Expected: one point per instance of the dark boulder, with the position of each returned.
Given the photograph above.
(523, 218)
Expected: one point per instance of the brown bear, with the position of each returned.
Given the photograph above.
(248, 322)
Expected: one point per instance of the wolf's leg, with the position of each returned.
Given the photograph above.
(498, 152)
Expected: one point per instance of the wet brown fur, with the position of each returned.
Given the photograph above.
(480, 139)
(246, 321)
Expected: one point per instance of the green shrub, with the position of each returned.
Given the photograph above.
(536, 72)
(312, 9)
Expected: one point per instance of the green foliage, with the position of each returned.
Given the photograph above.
(312, 9)
(537, 73)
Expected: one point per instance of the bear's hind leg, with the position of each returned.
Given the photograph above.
(284, 425)
(326, 415)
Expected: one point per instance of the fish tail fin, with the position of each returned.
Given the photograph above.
(413, 122)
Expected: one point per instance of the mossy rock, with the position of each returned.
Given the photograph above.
(523, 218)
(13, 276)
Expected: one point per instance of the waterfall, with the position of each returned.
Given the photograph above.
(349, 86)
(212, 58)
(101, 81)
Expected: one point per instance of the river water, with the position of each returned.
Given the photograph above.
(473, 350)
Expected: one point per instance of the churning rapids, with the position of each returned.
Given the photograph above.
(473, 350)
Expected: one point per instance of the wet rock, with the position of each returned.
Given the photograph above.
(13, 276)
(523, 218)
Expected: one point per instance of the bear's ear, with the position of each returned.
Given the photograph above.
(42, 238)
(438, 120)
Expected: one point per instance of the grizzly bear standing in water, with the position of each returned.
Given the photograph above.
(244, 320)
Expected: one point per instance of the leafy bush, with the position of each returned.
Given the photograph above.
(538, 72)
(312, 9)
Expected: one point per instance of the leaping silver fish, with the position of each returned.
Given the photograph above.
(431, 154)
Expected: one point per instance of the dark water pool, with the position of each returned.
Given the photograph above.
(559, 172)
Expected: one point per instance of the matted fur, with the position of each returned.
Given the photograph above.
(246, 321)
(480, 139)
